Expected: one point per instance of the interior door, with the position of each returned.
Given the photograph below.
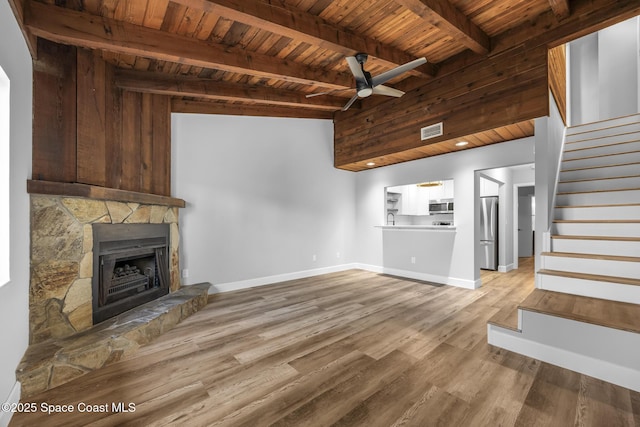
(525, 229)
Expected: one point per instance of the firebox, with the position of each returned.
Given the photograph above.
(130, 267)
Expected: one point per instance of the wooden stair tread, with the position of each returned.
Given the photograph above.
(614, 238)
(506, 317)
(598, 191)
(595, 156)
(600, 206)
(592, 256)
(599, 130)
(612, 314)
(571, 181)
(575, 150)
(597, 221)
(600, 167)
(594, 277)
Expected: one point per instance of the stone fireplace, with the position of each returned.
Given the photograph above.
(130, 267)
(104, 279)
(63, 260)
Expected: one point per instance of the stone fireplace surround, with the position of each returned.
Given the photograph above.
(62, 258)
(64, 342)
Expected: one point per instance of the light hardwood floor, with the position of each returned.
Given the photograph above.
(352, 348)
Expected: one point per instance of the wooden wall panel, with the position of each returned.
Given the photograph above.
(91, 119)
(54, 113)
(131, 135)
(146, 143)
(558, 78)
(508, 88)
(86, 130)
(113, 131)
(161, 145)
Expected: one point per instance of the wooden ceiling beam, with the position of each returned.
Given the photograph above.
(447, 18)
(203, 107)
(66, 26)
(302, 26)
(560, 8)
(184, 86)
(18, 7)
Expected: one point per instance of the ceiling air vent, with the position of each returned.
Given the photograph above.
(432, 131)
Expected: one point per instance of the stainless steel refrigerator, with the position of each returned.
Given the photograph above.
(489, 232)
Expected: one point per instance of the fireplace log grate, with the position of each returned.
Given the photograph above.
(124, 284)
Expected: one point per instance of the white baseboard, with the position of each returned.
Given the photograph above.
(13, 398)
(269, 280)
(505, 268)
(451, 281)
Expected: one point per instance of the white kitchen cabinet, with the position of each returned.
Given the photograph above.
(444, 191)
(414, 200)
(488, 187)
(448, 189)
(436, 193)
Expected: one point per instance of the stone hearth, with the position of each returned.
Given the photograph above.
(57, 361)
(62, 258)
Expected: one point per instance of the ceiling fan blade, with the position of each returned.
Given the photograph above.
(351, 101)
(388, 75)
(311, 95)
(356, 68)
(386, 90)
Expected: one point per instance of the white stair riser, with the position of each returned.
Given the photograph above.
(600, 133)
(630, 144)
(594, 350)
(600, 184)
(618, 121)
(588, 141)
(597, 229)
(590, 288)
(598, 212)
(597, 173)
(592, 266)
(601, 198)
(610, 160)
(601, 247)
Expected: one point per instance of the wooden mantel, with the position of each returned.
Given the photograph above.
(100, 193)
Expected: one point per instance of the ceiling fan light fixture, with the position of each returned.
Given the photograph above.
(365, 92)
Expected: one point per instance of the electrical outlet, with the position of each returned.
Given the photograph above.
(337, 254)
(313, 257)
(413, 260)
(185, 273)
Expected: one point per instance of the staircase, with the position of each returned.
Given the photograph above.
(584, 314)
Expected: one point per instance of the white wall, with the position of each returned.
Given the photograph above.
(549, 143)
(604, 73)
(14, 304)
(262, 199)
(460, 166)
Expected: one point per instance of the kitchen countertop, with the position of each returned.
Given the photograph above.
(418, 227)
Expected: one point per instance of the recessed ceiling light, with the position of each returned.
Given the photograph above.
(461, 143)
(371, 164)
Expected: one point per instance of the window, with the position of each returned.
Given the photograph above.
(4, 177)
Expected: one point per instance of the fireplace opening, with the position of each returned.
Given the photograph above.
(131, 267)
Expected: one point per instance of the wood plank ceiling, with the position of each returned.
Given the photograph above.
(262, 57)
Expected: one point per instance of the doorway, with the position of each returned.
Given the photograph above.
(526, 221)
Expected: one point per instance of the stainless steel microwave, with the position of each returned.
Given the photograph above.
(440, 207)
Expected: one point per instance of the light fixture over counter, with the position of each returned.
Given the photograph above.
(430, 184)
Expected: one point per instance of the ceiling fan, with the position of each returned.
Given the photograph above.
(366, 85)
